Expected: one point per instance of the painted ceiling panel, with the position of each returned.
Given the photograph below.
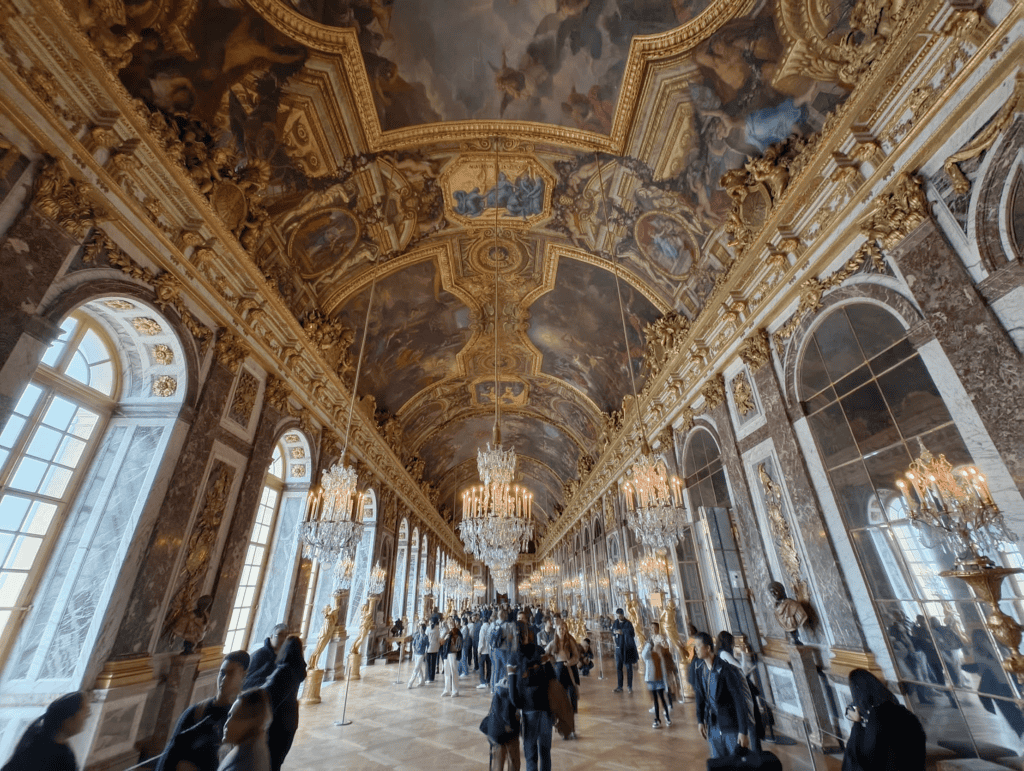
(588, 352)
(550, 61)
(416, 329)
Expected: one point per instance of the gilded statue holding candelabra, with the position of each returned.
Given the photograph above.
(633, 614)
(956, 504)
(315, 675)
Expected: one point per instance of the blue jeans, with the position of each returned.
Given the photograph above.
(722, 745)
(537, 740)
(500, 661)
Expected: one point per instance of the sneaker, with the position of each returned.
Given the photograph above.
(455, 694)
(618, 690)
(656, 724)
(668, 722)
(445, 693)
(410, 686)
(421, 685)
(651, 710)
(629, 690)
(482, 686)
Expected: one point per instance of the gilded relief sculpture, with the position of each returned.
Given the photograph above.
(355, 654)
(315, 675)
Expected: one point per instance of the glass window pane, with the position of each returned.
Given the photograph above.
(12, 511)
(838, 345)
(10, 588)
(913, 398)
(55, 482)
(23, 553)
(57, 346)
(83, 424)
(885, 468)
(102, 377)
(813, 376)
(876, 329)
(70, 452)
(832, 432)
(59, 413)
(855, 379)
(92, 348)
(869, 419)
(880, 564)
(44, 444)
(11, 431)
(6, 539)
(28, 475)
(39, 518)
(28, 400)
(78, 368)
(890, 358)
(854, 493)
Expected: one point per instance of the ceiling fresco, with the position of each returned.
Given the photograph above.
(590, 353)
(548, 61)
(286, 132)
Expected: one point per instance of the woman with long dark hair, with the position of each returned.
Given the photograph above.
(283, 689)
(44, 745)
(885, 734)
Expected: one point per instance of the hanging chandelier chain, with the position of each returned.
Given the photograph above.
(359, 363)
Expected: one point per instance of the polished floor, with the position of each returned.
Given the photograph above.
(418, 730)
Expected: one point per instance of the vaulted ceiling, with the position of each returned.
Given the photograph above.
(426, 167)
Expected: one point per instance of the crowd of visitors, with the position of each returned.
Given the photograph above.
(530, 662)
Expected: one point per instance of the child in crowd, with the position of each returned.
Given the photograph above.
(586, 657)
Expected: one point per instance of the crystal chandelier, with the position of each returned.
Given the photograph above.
(334, 517)
(502, 577)
(654, 573)
(654, 507)
(375, 583)
(956, 503)
(549, 575)
(479, 589)
(620, 574)
(656, 516)
(427, 590)
(497, 523)
(452, 579)
(344, 572)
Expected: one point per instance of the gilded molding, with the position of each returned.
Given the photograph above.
(756, 351)
(894, 216)
(57, 195)
(713, 392)
(230, 350)
(743, 395)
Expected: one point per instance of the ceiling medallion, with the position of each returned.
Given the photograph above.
(511, 257)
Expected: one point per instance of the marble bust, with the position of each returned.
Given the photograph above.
(790, 614)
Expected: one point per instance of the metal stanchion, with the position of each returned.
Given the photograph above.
(344, 708)
(600, 656)
(401, 651)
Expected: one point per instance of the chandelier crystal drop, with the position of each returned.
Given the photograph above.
(334, 519)
(654, 507)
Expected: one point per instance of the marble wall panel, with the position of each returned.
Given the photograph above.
(143, 616)
(233, 554)
(755, 567)
(828, 584)
(976, 344)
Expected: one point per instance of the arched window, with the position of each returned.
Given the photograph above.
(871, 405)
(254, 569)
(414, 572)
(44, 449)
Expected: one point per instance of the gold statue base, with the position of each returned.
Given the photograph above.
(355, 661)
(311, 692)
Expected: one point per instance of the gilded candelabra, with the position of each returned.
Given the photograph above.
(956, 504)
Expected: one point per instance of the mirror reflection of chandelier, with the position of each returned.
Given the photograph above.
(654, 573)
(620, 574)
(502, 577)
(334, 517)
(496, 516)
(956, 503)
(549, 575)
(451, 580)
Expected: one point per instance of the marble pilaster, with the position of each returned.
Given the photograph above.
(978, 347)
(143, 617)
(837, 610)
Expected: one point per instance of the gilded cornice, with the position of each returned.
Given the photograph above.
(644, 52)
(165, 217)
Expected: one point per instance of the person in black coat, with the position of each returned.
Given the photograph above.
(529, 692)
(724, 706)
(626, 654)
(263, 660)
(283, 688)
(44, 745)
(502, 727)
(885, 734)
(195, 742)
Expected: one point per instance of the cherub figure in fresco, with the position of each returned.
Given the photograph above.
(589, 111)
